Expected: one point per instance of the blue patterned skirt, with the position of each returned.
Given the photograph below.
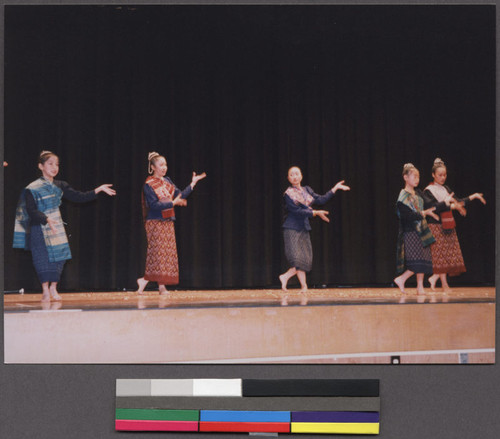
(47, 271)
(417, 257)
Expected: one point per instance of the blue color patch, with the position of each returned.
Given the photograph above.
(244, 416)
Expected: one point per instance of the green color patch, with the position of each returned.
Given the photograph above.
(158, 415)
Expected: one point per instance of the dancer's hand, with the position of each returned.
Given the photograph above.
(322, 214)
(478, 196)
(197, 178)
(340, 185)
(178, 201)
(449, 199)
(460, 207)
(430, 212)
(52, 224)
(106, 188)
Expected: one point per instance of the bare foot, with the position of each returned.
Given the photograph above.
(401, 285)
(303, 290)
(447, 289)
(432, 280)
(45, 297)
(141, 283)
(54, 295)
(283, 281)
(163, 291)
(420, 292)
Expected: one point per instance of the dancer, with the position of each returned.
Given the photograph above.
(414, 238)
(159, 197)
(447, 257)
(39, 226)
(298, 248)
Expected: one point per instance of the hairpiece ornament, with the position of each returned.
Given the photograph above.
(152, 155)
(438, 161)
(45, 152)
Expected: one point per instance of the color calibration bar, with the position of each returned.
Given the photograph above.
(248, 406)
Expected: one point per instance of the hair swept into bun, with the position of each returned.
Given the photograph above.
(152, 157)
(408, 167)
(45, 155)
(438, 163)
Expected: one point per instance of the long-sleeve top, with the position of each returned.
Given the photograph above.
(155, 206)
(298, 214)
(431, 201)
(38, 217)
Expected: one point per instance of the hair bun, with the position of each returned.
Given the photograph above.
(45, 152)
(152, 155)
(408, 166)
(438, 161)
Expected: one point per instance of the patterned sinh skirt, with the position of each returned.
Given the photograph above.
(47, 271)
(446, 254)
(417, 257)
(162, 265)
(298, 249)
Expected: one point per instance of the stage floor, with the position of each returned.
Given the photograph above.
(331, 325)
(88, 301)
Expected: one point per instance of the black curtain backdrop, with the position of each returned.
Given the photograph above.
(243, 93)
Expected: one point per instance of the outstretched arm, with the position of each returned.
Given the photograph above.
(197, 178)
(73, 195)
(340, 185)
(106, 188)
(460, 204)
(477, 196)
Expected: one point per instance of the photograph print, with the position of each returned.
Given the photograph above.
(272, 184)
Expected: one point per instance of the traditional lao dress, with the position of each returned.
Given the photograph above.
(49, 249)
(414, 237)
(162, 265)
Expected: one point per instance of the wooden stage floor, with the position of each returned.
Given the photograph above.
(331, 325)
(244, 298)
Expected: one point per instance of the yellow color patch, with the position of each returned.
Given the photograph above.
(336, 427)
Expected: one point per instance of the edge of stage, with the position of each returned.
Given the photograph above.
(330, 325)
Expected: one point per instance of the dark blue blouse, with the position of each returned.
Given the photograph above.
(297, 215)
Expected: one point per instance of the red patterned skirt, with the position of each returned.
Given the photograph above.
(446, 254)
(162, 265)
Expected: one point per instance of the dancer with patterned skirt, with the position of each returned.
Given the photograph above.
(447, 256)
(298, 248)
(39, 226)
(414, 237)
(159, 197)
